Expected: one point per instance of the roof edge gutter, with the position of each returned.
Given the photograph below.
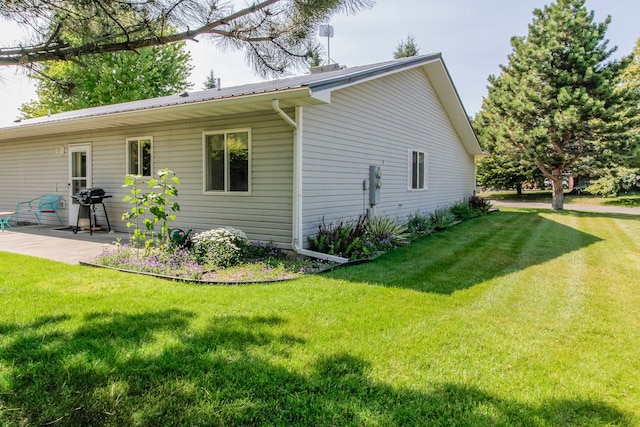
(297, 186)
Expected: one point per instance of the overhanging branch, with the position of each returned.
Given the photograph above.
(51, 50)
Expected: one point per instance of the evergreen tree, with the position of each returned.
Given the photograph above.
(503, 168)
(557, 103)
(406, 48)
(623, 174)
(109, 78)
(275, 35)
(211, 82)
(630, 80)
(630, 77)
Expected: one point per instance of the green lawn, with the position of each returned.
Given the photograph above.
(544, 196)
(520, 317)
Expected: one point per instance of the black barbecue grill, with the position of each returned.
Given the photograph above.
(89, 198)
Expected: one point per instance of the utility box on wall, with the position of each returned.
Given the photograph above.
(375, 182)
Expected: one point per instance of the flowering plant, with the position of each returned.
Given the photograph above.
(156, 260)
(220, 247)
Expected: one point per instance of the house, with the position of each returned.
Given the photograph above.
(271, 158)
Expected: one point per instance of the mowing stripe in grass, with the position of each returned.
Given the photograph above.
(521, 333)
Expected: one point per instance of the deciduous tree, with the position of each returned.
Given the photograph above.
(109, 78)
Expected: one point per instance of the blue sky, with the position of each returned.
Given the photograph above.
(472, 35)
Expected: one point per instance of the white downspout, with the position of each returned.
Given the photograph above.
(296, 245)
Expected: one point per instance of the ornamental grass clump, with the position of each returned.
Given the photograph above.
(441, 218)
(385, 233)
(418, 224)
(220, 247)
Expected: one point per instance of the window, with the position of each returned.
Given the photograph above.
(418, 170)
(140, 156)
(227, 161)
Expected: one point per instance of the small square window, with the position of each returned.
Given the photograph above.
(140, 156)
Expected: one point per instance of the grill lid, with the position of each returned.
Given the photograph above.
(90, 195)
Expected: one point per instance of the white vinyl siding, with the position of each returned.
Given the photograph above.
(378, 123)
(33, 168)
(370, 123)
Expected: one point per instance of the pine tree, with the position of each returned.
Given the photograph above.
(406, 48)
(211, 82)
(557, 104)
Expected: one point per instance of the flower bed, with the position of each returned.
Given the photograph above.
(225, 255)
(216, 256)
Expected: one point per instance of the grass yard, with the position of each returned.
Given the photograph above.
(520, 317)
(631, 200)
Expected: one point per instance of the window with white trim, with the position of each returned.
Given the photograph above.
(140, 156)
(227, 161)
(417, 170)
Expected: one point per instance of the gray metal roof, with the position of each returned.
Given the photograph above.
(315, 82)
(303, 90)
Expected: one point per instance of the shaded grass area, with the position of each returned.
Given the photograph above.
(458, 258)
(631, 200)
(515, 318)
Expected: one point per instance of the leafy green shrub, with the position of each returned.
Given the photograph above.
(462, 211)
(156, 202)
(418, 224)
(384, 233)
(262, 251)
(621, 180)
(605, 186)
(346, 239)
(441, 218)
(629, 179)
(220, 247)
(479, 204)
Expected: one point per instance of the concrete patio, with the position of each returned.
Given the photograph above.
(56, 244)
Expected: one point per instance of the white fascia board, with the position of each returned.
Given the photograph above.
(209, 108)
(443, 85)
(323, 90)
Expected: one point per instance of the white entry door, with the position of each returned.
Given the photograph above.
(79, 176)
